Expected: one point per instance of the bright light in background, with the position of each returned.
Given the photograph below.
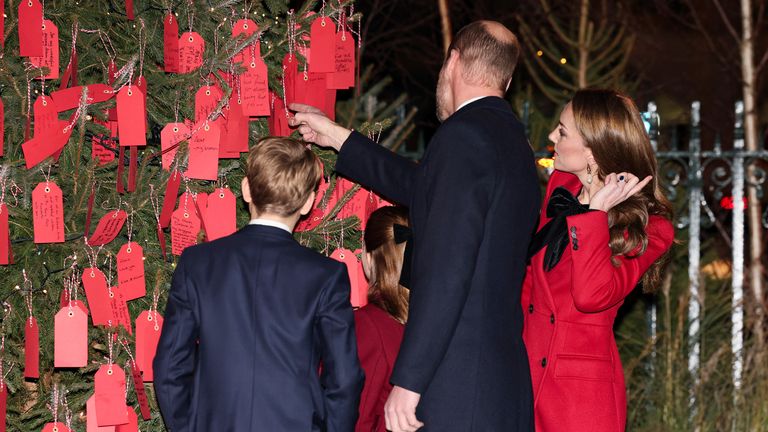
(563, 61)
(546, 162)
(539, 53)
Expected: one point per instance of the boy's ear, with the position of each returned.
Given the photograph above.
(305, 209)
(245, 188)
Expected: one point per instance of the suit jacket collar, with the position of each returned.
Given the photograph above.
(486, 102)
(266, 231)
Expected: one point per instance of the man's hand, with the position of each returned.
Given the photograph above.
(316, 128)
(400, 410)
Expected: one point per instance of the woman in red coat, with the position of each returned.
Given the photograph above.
(379, 325)
(605, 228)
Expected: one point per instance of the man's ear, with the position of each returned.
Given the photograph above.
(452, 63)
(305, 209)
(245, 188)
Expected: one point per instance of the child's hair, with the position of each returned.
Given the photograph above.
(387, 261)
(282, 173)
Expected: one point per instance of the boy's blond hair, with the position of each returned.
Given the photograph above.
(282, 173)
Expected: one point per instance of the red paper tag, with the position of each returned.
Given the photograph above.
(109, 383)
(69, 98)
(206, 99)
(5, 236)
(161, 241)
(46, 115)
(98, 296)
(133, 422)
(64, 302)
(191, 49)
(356, 206)
(130, 271)
(323, 45)
(171, 43)
(55, 427)
(3, 386)
(280, 125)
(30, 28)
(170, 137)
(2, 45)
(169, 201)
(201, 205)
(131, 122)
(92, 422)
(129, 9)
(204, 152)
(344, 75)
(149, 325)
(102, 149)
(290, 74)
(45, 145)
(254, 90)
(234, 131)
(348, 258)
(141, 83)
(108, 228)
(31, 349)
(220, 218)
(310, 89)
(2, 117)
(246, 27)
(119, 310)
(50, 55)
(48, 213)
(185, 225)
(141, 395)
(70, 347)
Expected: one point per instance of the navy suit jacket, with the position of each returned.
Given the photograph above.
(474, 201)
(250, 317)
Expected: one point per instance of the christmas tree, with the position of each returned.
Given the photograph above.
(125, 131)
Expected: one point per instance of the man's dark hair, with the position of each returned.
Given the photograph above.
(488, 56)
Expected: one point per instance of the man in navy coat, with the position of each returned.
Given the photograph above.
(474, 201)
(251, 316)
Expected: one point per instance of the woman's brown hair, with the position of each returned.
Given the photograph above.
(385, 290)
(611, 126)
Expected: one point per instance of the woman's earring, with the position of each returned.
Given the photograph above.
(589, 174)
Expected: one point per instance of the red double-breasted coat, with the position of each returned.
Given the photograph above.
(577, 377)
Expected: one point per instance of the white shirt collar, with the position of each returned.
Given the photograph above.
(271, 223)
(469, 101)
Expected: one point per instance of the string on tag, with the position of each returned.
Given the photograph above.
(27, 292)
(154, 200)
(92, 256)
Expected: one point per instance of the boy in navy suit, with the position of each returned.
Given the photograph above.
(251, 316)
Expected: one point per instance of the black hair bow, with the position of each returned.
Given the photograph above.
(554, 235)
(404, 234)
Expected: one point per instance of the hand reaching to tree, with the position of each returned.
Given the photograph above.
(316, 128)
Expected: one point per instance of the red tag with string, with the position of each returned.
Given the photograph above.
(96, 292)
(170, 137)
(102, 149)
(119, 182)
(3, 385)
(131, 120)
(30, 28)
(46, 145)
(234, 130)
(133, 422)
(55, 427)
(69, 98)
(108, 228)
(246, 27)
(161, 240)
(349, 259)
(343, 76)
(290, 74)
(70, 72)
(171, 43)
(129, 9)
(323, 45)
(46, 115)
(31, 348)
(141, 84)
(280, 125)
(185, 226)
(48, 213)
(5, 236)
(64, 302)
(169, 201)
(70, 347)
(130, 271)
(109, 384)
(254, 89)
(221, 214)
(91, 421)
(201, 204)
(141, 395)
(2, 119)
(310, 89)
(204, 152)
(50, 55)
(149, 325)
(206, 99)
(119, 310)
(191, 49)
(2, 45)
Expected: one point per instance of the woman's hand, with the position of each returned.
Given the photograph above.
(616, 189)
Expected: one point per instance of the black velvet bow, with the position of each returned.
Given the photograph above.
(404, 234)
(554, 235)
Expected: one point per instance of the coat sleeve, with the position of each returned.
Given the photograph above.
(597, 283)
(175, 359)
(342, 377)
(376, 167)
(460, 177)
